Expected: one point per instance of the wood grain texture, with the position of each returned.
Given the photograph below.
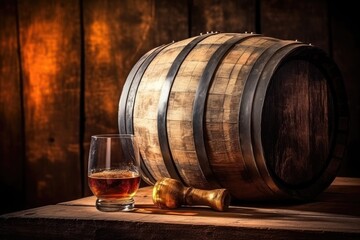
(11, 127)
(114, 41)
(306, 21)
(258, 143)
(50, 60)
(334, 215)
(133, 28)
(297, 124)
(181, 110)
(146, 108)
(223, 16)
(222, 125)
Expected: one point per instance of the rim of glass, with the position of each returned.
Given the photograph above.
(114, 135)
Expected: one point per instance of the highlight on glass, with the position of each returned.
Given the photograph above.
(114, 171)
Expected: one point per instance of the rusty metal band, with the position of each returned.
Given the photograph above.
(126, 108)
(319, 58)
(246, 130)
(125, 93)
(200, 103)
(163, 107)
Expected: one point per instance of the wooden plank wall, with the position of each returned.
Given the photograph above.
(49, 43)
(11, 113)
(63, 65)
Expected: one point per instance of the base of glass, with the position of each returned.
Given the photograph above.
(115, 205)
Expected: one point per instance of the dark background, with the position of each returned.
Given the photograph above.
(63, 65)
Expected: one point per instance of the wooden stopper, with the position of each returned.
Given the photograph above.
(171, 193)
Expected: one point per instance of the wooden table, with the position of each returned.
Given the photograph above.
(334, 215)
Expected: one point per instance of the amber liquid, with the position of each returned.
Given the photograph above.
(114, 184)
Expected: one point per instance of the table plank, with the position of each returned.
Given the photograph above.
(249, 220)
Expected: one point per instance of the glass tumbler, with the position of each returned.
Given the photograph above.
(113, 171)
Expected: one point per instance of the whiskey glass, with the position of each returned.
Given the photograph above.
(114, 171)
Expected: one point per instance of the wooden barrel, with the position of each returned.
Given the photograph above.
(263, 117)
